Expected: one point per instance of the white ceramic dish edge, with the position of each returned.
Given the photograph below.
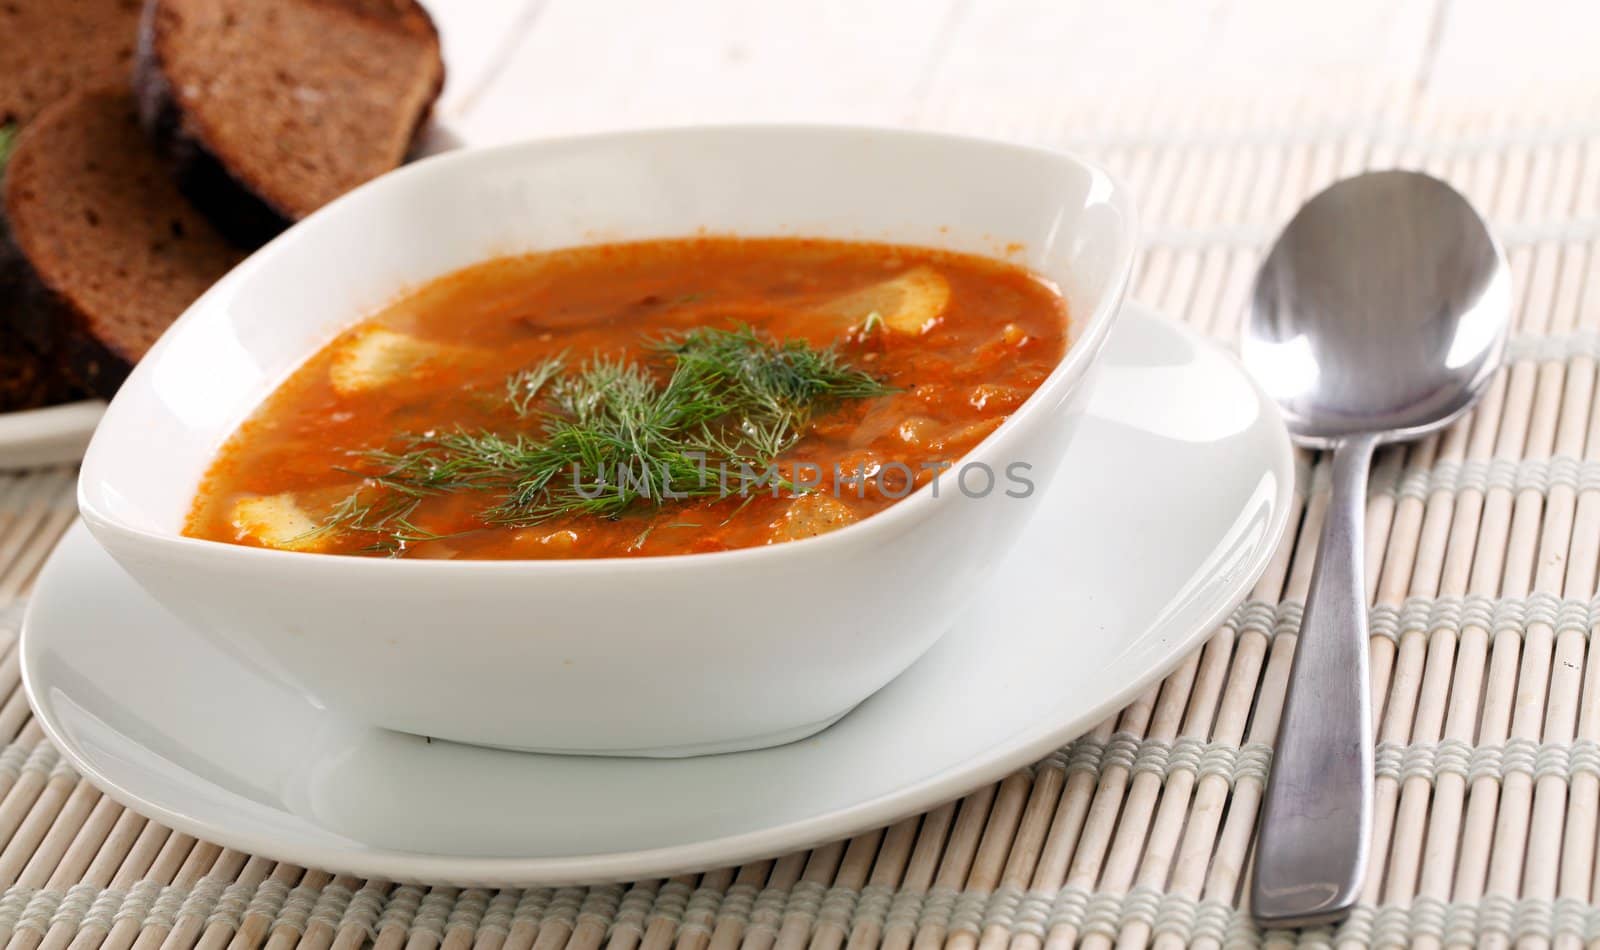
(52, 435)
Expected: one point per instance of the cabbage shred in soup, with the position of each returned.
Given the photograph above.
(663, 397)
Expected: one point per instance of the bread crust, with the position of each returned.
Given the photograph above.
(224, 194)
(229, 204)
(52, 325)
(90, 338)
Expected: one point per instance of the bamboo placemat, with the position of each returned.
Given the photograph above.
(1484, 548)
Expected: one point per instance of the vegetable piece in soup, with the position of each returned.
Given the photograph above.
(625, 400)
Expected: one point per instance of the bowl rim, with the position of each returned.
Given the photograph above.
(1062, 380)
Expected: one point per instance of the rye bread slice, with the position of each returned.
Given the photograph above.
(52, 48)
(27, 380)
(269, 109)
(99, 252)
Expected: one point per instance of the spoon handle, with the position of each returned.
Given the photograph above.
(1311, 850)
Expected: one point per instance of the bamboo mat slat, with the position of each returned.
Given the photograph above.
(1484, 546)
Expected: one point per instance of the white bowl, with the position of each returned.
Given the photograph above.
(659, 656)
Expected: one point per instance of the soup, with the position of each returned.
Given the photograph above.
(642, 399)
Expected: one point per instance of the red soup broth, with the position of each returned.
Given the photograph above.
(412, 434)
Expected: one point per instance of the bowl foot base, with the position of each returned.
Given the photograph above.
(742, 744)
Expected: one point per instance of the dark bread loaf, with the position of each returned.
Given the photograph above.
(52, 48)
(269, 109)
(99, 252)
(27, 380)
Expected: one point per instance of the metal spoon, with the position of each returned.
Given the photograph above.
(1379, 316)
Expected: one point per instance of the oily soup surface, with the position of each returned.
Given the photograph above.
(880, 354)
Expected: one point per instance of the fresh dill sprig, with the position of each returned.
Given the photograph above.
(8, 140)
(524, 386)
(610, 435)
(774, 385)
(387, 517)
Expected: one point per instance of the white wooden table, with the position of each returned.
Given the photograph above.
(1008, 67)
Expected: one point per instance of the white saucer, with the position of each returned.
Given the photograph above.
(1175, 493)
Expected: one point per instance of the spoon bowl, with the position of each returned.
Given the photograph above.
(1382, 309)
(1380, 315)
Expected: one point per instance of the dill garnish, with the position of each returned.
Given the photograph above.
(523, 387)
(608, 436)
(8, 139)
